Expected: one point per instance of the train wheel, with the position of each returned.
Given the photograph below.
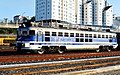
(61, 49)
(41, 51)
(108, 49)
(19, 51)
(98, 50)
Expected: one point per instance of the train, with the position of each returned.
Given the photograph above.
(7, 39)
(42, 40)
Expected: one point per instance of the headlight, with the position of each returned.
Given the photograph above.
(27, 44)
(23, 44)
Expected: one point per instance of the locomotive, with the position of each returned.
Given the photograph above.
(41, 40)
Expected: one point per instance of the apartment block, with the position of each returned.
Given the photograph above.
(82, 12)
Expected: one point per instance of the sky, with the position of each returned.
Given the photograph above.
(116, 6)
(10, 8)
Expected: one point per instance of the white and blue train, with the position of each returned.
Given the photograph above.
(51, 40)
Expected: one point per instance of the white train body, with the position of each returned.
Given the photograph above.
(44, 39)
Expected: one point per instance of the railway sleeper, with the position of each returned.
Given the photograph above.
(55, 68)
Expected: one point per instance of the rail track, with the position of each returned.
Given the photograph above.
(8, 58)
(12, 63)
(57, 67)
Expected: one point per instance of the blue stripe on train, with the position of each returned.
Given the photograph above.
(62, 39)
(66, 44)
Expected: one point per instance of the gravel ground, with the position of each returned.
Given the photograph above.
(111, 70)
(114, 72)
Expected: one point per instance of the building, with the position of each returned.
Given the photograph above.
(16, 18)
(87, 13)
(116, 22)
(108, 10)
(61, 10)
(82, 12)
(96, 13)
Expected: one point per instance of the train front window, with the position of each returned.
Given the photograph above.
(24, 33)
(32, 32)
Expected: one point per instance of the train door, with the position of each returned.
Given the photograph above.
(118, 39)
(39, 36)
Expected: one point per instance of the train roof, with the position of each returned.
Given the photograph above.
(64, 30)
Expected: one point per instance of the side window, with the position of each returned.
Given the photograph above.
(77, 39)
(110, 36)
(81, 40)
(86, 35)
(53, 33)
(60, 34)
(99, 36)
(95, 36)
(114, 36)
(90, 40)
(47, 38)
(77, 34)
(66, 34)
(106, 36)
(81, 35)
(103, 36)
(47, 33)
(71, 34)
(86, 40)
(90, 35)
